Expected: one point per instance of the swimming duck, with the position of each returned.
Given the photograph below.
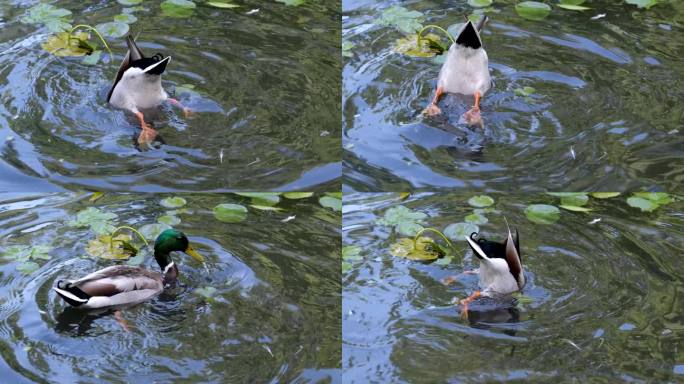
(465, 71)
(138, 86)
(122, 285)
(501, 270)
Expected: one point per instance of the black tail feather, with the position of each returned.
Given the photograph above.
(469, 37)
(76, 291)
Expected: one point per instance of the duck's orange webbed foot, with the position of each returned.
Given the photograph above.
(148, 133)
(464, 303)
(433, 110)
(187, 112)
(473, 117)
(122, 322)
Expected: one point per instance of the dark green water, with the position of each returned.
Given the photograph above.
(607, 90)
(266, 99)
(275, 315)
(606, 297)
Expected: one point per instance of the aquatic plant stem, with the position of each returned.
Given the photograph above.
(131, 229)
(415, 238)
(92, 29)
(437, 27)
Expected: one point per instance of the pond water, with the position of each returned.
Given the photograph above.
(603, 114)
(263, 81)
(265, 307)
(603, 299)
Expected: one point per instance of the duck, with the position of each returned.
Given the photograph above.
(501, 270)
(124, 285)
(465, 71)
(138, 86)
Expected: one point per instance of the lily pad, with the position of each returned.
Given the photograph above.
(337, 195)
(524, 91)
(113, 29)
(408, 228)
(532, 10)
(459, 231)
(136, 260)
(93, 58)
(481, 201)
(346, 266)
(403, 19)
(126, 18)
(178, 8)
(642, 3)
(575, 208)
(59, 44)
(173, 202)
(660, 198)
(479, 3)
(111, 248)
(206, 292)
(292, 2)
(230, 213)
(219, 4)
(297, 195)
(542, 213)
(262, 198)
(428, 46)
(129, 2)
(265, 207)
(99, 222)
(575, 200)
(573, 7)
(351, 253)
(604, 195)
(425, 249)
(28, 267)
(331, 202)
(347, 49)
(169, 220)
(55, 19)
(476, 219)
(399, 214)
(24, 253)
(644, 204)
(151, 231)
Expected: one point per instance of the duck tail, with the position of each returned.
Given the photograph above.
(71, 294)
(469, 37)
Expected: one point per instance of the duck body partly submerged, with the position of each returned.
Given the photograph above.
(123, 285)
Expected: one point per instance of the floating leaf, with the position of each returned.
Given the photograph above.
(524, 91)
(331, 202)
(108, 247)
(230, 213)
(481, 201)
(129, 2)
(112, 29)
(476, 219)
(346, 266)
(95, 196)
(645, 205)
(660, 198)
(265, 207)
(136, 260)
(99, 222)
(479, 3)
(178, 8)
(206, 292)
(572, 2)
(173, 202)
(337, 195)
(522, 299)
(92, 59)
(542, 213)
(297, 195)
(351, 253)
(604, 195)
(428, 46)
(292, 2)
(403, 19)
(169, 220)
(396, 215)
(425, 249)
(52, 17)
(575, 208)
(642, 3)
(59, 44)
(151, 231)
(575, 200)
(218, 4)
(262, 198)
(459, 231)
(28, 267)
(446, 260)
(532, 10)
(126, 18)
(408, 228)
(347, 48)
(16, 253)
(573, 7)
(40, 252)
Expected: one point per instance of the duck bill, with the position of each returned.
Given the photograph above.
(468, 37)
(195, 255)
(158, 67)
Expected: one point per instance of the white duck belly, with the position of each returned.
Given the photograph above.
(465, 71)
(136, 93)
(495, 278)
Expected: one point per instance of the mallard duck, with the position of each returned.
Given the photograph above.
(465, 71)
(123, 285)
(138, 86)
(501, 270)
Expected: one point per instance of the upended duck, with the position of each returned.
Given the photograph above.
(501, 270)
(124, 285)
(138, 86)
(465, 71)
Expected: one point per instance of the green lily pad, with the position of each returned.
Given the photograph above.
(575, 200)
(642, 3)
(446, 260)
(480, 201)
(522, 299)
(52, 17)
(408, 228)
(396, 215)
(262, 198)
(173, 202)
(573, 7)
(125, 18)
(206, 292)
(645, 205)
(93, 58)
(151, 231)
(428, 46)
(479, 3)
(219, 4)
(28, 267)
(111, 248)
(401, 18)
(532, 10)
(351, 253)
(99, 222)
(347, 47)
(59, 44)
(297, 195)
(178, 8)
(40, 252)
(331, 202)
(292, 2)
(572, 2)
(136, 260)
(476, 219)
(24, 253)
(113, 29)
(575, 208)
(346, 266)
(542, 213)
(660, 198)
(129, 2)
(524, 91)
(230, 213)
(425, 249)
(337, 195)
(265, 207)
(604, 195)
(169, 220)
(459, 231)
